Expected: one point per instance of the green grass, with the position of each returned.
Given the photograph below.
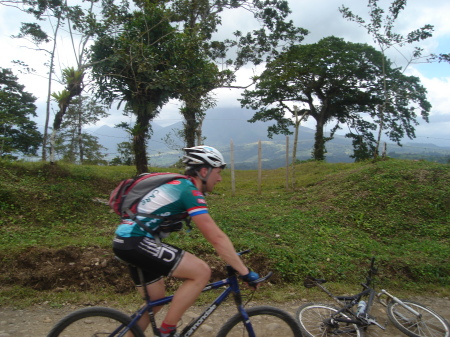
(329, 225)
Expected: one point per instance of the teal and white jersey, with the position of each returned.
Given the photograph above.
(176, 197)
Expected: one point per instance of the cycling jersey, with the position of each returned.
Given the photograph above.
(173, 198)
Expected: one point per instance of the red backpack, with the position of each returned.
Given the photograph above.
(125, 198)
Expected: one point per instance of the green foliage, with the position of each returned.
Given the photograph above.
(338, 82)
(338, 216)
(18, 134)
(393, 114)
(72, 144)
(67, 147)
(125, 156)
(148, 79)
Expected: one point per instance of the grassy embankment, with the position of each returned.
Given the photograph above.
(336, 218)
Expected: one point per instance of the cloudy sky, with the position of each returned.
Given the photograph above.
(320, 17)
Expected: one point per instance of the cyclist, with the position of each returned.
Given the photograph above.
(137, 247)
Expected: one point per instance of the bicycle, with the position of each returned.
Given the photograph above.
(352, 317)
(256, 321)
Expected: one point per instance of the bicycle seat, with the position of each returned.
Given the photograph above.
(312, 281)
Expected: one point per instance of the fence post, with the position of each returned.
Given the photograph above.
(384, 150)
(233, 181)
(287, 163)
(259, 166)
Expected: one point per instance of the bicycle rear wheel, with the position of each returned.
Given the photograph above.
(95, 321)
(315, 321)
(266, 321)
(430, 324)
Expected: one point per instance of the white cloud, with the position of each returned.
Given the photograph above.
(438, 94)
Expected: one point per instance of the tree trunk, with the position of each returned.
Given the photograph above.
(382, 109)
(190, 126)
(319, 142)
(52, 146)
(56, 126)
(198, 132)
(79, 136)
(298, 121)
(140, 133)
(49, 92)
(140, 153)
(294, 150)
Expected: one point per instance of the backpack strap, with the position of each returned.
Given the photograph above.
(155, 232)
(150, 231)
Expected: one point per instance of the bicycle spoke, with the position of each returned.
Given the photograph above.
(428, 324)
(316, 321)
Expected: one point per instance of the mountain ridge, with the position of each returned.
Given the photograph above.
(223, 125)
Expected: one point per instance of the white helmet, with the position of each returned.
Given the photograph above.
(203, 155)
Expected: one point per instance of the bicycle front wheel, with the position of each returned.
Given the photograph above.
(316, 320)
(429, 324)
(95, 321)
(266, 321)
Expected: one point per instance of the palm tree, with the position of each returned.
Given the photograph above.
(74, 86)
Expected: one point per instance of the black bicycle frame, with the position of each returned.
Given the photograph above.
(350, 301)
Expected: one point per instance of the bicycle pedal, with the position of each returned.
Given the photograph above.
(372, 321)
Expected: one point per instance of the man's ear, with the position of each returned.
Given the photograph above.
(203, 172)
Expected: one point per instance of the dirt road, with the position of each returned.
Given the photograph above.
(36, 321)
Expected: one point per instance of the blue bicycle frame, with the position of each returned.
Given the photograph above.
(232, 286)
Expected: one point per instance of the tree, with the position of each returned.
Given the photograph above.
(83, 111)
(38, 37)
(200, 66)
(133, 62)
(67, 145)
(18, 134)
(198, 76)
(441, 57)
(335, 81)
(82, 20)
(382, 31)
(126, 155)
(74, 86)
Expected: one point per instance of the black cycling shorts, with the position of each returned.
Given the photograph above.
(155, 260)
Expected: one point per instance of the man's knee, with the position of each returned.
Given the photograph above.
(201, 272)
(204, 272)
(193, 268)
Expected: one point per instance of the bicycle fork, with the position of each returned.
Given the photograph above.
(397, 300)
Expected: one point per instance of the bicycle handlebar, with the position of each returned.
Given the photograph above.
(243, 252)
(262, 278)
(372, 271)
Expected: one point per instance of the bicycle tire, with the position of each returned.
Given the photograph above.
(94, 321)
(312, 320)
(430, 323)
(266, 321)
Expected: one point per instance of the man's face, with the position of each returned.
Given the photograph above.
(213, 178)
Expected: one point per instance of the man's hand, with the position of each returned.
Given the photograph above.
(250, 279)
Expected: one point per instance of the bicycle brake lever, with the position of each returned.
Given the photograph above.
(261, 279)
(243, 252)
(311, 282)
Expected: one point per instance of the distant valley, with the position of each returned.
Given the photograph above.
(223, 125)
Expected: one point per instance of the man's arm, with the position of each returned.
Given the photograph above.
(220, 241)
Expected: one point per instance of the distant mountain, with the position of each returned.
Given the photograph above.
(223, 125)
